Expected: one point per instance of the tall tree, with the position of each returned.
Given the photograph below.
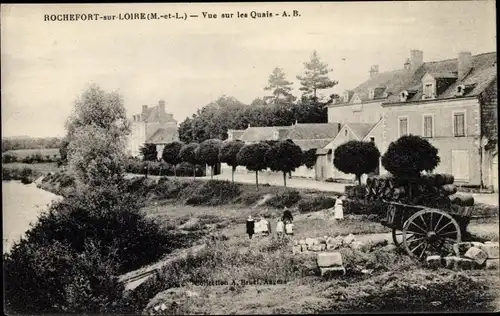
(284, 156)
(171, 154)
(97, 132)
(356, 157)
(228, 154)
(253, 157)
(207, 153)
(280, 87)
(315, 77)
(187, 154)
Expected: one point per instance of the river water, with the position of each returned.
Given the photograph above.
(21, 205)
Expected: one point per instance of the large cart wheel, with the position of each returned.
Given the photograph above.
(430, 231)
(397, 237)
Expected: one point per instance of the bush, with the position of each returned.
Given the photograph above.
(53, 278)
(355, 191)
(9, 158)
(284, 199)
(211, 192)
(359, 207)
(409, 156)
(316, 203)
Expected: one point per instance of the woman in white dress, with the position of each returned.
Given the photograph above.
(338, 209)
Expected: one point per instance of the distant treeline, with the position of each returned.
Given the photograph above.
(15, 143)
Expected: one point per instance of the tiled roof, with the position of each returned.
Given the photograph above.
(361, 129)
(164, 135)
(153, 114)
(256, 134)
(483, 71)
(306, 144)
(313, 131)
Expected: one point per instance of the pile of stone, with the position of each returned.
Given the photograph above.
(468, 256)
(326, 243)
(323, 243)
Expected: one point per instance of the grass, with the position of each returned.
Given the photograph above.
(22, 153)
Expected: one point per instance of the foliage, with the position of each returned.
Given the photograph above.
(63, 151)
(309, 158)
(284, 199)
(9, 158)
(26, 142)
(280, 87)
(161, 168)
(356, 157)
(207, 153)
(316, 203)
(149, 152)
(97, 133)
(211, 193)
(284, 156)
(188, 154)
(409, 155)
(228, 154)
(315, 76)
(253, 156)
(171, 153)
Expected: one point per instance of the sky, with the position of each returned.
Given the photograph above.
(46, 65)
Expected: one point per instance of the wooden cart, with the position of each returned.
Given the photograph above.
(424, 231)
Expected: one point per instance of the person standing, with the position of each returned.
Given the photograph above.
(280, 227)
(250, 226)
(338, 209)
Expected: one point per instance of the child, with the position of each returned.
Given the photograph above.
(280, 227)
(338, 209)
(289, 228)
(250, 226)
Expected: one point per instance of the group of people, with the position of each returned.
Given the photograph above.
(284, 225)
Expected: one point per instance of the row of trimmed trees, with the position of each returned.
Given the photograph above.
(279, 156)
(406, 157)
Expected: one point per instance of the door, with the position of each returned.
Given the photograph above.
(460, 165)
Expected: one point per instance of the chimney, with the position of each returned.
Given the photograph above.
(407, 65)
(416, 59)
(339, 126)
(373, 71)
(464, 64)
(161, 105)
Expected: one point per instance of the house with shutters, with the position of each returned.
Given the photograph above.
(452, 103)
(306, 136)
(154, 126)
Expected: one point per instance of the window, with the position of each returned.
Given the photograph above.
(345, 132)
(428, 90)
(372, 139)
(428, 126)
(459, 124)
(403, 126)
(372, 93)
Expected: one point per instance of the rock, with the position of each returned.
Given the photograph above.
(190, 224)
(434, 262)
(309, 242)
(163, 306)
(302, 242)
(461, 248)
(356, 245)
(332, 271)
(477, 255)
(297, 249)
(191, 293)
(329, 259)
(157, 308)
(492, 264)
(321, 240)
(348, 240)
(315, 241)
(304, 248)
(389, 248)
(367, 271)
(491, 249)
(322, 247)
(465, 264)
